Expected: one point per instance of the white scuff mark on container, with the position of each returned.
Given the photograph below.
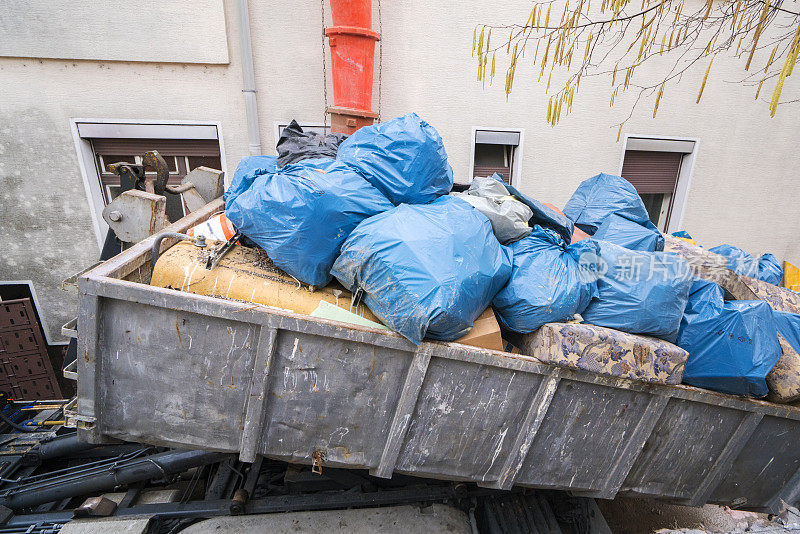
(341, 431)
(240, 353)
(497, 450)
(228, 356)
(288, 377)
(765, 467)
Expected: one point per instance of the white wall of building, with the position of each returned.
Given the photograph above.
(743, 190)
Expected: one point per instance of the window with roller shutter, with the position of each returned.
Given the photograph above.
(496, 151)
(654, 174)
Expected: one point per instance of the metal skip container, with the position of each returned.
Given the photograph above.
(167, 367)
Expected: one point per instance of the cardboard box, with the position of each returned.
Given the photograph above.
(510, 347)
(578, 235)
(485, 333)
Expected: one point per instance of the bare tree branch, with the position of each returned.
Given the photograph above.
(616, 40)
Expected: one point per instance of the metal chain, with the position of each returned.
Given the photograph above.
(324, 68)
(380, 60)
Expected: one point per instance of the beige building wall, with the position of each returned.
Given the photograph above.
(743, 190)
(47, 230)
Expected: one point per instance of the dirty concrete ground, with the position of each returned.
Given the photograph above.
(396, 519)
(641, 516)
(623, 515)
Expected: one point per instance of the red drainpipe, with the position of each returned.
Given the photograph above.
(352, 43)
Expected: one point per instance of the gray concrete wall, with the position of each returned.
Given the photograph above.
(45, 236)
(743, 191)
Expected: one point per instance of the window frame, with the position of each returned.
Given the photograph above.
(662, 143)
(516, 162)
(146, 129)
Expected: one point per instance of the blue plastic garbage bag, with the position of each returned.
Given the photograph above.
(739, 261)
(425, 270)
(302, 214)
(769, 269)
(604, 195)
(630, 235)
(247, 171)
(732, 345)
(546, 284)
(639, 292)
(543, 215)
(404, 158)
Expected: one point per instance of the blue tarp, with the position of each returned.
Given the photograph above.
(732, 345)
(739, 261)
(769, 269)
(546, 284)
(425, 270)
(246, 172)
(628, 234)
(640, 292)
(404, 158)
(603, 195)
(302, 214)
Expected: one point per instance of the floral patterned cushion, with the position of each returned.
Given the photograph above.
(606, 351)
(784, 379)
(746, 288)
(702, 263)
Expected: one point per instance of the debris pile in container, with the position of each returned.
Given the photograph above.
(371, 226)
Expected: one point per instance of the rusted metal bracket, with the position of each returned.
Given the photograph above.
(135, 215)
(140, 210)
(199, 187)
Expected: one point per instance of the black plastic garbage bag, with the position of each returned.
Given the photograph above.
(296, 145)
